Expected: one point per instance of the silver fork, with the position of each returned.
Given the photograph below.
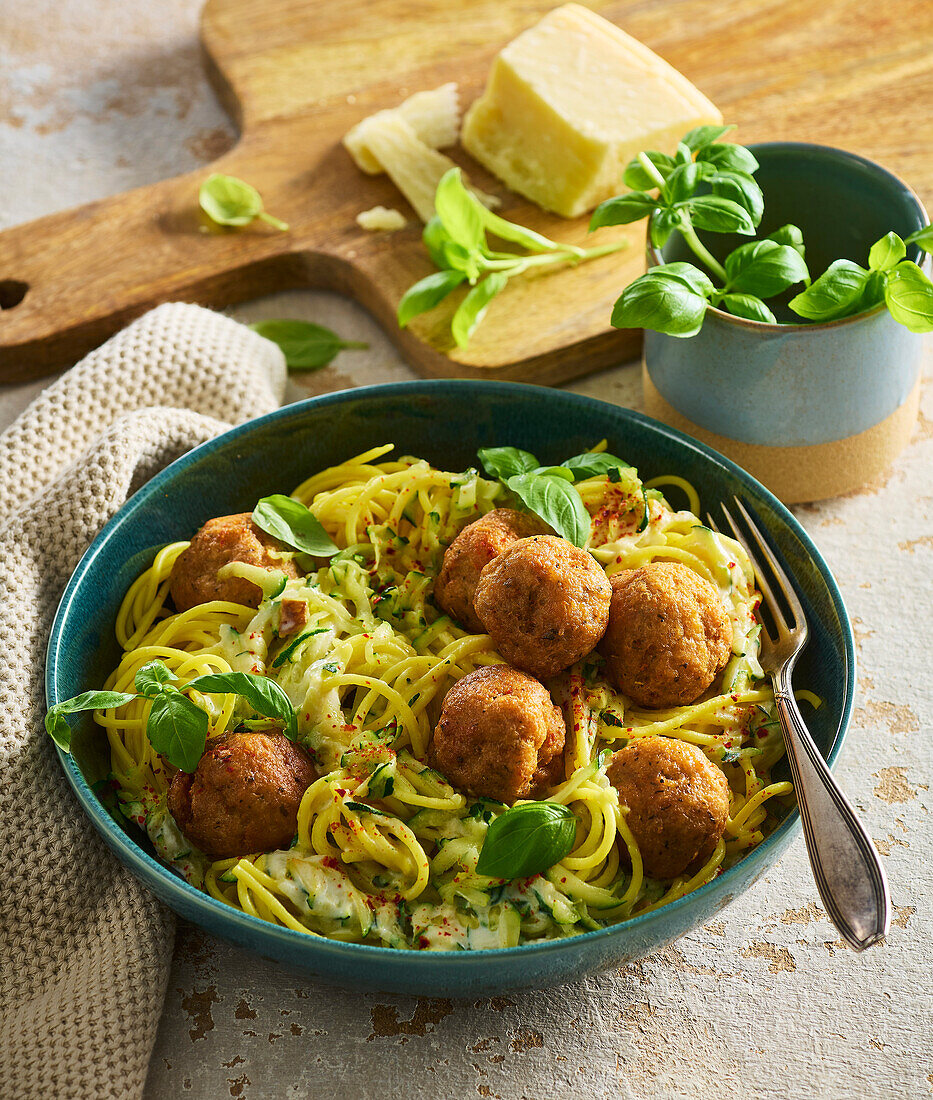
(846, 865)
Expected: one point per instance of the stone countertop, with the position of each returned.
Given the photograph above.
(98, 96)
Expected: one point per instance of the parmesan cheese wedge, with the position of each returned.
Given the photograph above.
(570, 102)
(434, 116)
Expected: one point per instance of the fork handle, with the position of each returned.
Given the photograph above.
(846, 865)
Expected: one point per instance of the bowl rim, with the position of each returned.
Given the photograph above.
(217, 916)
(829, 152)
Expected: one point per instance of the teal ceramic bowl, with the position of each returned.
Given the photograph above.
(444, 422)
(812, 410)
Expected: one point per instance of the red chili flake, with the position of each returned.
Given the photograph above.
(423, 941)
(330, 862)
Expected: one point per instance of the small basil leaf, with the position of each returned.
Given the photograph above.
(736, 158)
(719, 215)
(556, 471)
(705, 135)
(764, 268)
(556, 501)
(682, 182)
(638, 179)
(662, 224)
(662, 303)
(291, 522)
(151, 678)
(886, 253)
(923, 238)
(504, 462)
(789, 235)
(527, 840)
(909, 294)
(263, 695)
(57, 727)
(594, 464)
(742, 189)
(689, 275)
(306, 346)
(457, 211)
(230, 201)
(873, 294)
(749, 307)
(177, 728)
(435, 236)
(623, 209)
(684, 154)
(426, 294)
(473, 307)
(833, 294)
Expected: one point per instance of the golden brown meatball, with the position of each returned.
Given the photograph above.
(220, 541)
(499, 735)
(244, 795)
(668, 636)
(476, 546)
(678, 802)
(545, 602)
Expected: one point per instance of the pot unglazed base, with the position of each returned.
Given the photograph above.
(798, 474)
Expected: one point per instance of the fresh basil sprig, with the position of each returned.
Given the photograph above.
(456, 240)
(306, 346)
(227, 200)
(293, 523)
(177, 726)
(527, 840)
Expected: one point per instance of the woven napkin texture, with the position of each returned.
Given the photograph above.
(84, 949)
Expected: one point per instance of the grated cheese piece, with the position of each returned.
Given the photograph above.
(381, 219)
(434, 116)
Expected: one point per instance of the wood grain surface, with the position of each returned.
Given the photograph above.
(296, 75)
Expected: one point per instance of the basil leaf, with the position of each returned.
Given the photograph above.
(263, 695)
(473, 307)
(660, 302)
(556, 471)
(427, 293)
(764, 268)
(789, 235)
(705, 135)
(736, 158)
(556, 501)
(886, 253)
(306, 346)
(662, 224)
(692, 277)
(230, 201)
(151, 678)
(719, 215)
(833, 294)
(504, 462)
(742, 189)
(457, 211)
(909, 294)
(57, 727)
(435, 236)
(682, 182)
(527, 840)
(594, 464)
(177, 728)
(289, 521)
(623, 209)
(873, 294)
(923, 238)
(638, 179)
(749, 307)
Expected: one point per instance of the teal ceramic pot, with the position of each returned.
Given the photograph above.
(445, 422)
(812, 410)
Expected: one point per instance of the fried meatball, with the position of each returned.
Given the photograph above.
(243, 797)
(220, 541)
(668, 637)
(678, 802)
(499, 735)
(476, 546)
(545, 603)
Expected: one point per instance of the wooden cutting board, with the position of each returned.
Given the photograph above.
(297, 74)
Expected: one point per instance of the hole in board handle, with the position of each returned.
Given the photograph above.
(12, 292)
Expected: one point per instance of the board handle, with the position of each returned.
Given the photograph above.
(70, 280)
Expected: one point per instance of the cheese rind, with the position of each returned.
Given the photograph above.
(570, 102)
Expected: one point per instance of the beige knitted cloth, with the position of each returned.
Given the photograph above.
(84, 949)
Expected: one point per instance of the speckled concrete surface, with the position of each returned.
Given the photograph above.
(97, 96)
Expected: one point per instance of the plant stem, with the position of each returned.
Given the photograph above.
(570, 254)
(648, 164)
(701, 251)
(273, 221)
